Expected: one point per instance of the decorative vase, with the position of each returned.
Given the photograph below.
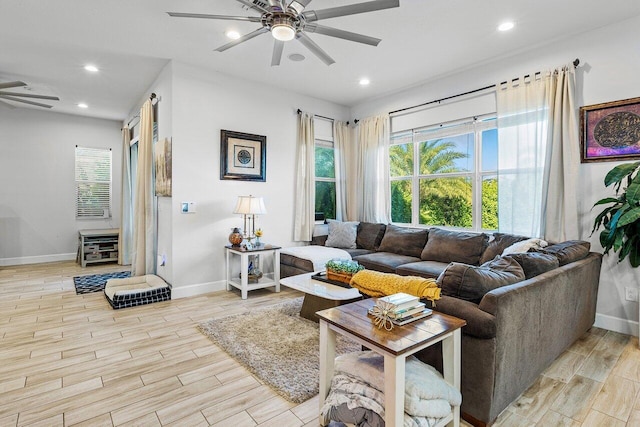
(235, 238)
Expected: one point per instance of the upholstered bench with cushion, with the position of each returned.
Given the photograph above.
(138, 290)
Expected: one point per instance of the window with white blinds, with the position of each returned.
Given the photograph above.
(93, 182)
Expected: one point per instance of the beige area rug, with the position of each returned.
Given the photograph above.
(277, 345)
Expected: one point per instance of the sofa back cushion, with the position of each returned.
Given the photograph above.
(403, 240)
(500, 242)
(342, 234)
(370, 235)
(470, 283)
(454, 246)
(534, 263)
(569, 251)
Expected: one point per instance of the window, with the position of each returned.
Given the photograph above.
(445, 176)
(93, 182)
(325, 179)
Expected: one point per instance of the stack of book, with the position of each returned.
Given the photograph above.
(405, 308)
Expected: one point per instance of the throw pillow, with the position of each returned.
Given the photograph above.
(342, 234)
(499, 243)
(470, 283)
(369, 235)
(403, 240)
(534, 263)
(524, 246)
(454, 246)
(569, 251)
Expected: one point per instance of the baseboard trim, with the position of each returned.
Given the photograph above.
(37, 259)
(196, 289)
(615, 324)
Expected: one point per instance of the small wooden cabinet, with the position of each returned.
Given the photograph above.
(96, 246)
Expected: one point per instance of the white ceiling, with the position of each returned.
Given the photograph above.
(47, 43)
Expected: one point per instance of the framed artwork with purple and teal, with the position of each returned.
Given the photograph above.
(610, 131)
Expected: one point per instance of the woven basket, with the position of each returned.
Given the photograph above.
(339, 277)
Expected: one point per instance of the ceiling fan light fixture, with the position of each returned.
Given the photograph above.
(282, 29)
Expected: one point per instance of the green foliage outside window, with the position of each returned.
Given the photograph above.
(443, 201)
(325, 190)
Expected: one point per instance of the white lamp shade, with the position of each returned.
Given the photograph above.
(283, 32)
(250, 205)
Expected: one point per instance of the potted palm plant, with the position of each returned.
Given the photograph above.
(621, 220)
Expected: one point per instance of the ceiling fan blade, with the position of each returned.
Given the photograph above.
(226, 17)
(7, 85)
(11, 98)
(13, 107)
(342, 34)
(298, 5)
(253, 6)
(313, 47)
(243, 39)
(28, 95)
(352, 9)
(278, 47)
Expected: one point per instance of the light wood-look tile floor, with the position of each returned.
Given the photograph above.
(70, 360)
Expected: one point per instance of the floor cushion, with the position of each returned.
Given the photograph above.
(139, 290)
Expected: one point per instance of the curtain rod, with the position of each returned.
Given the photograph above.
(576, 62)
(322, 117)
(151, 98)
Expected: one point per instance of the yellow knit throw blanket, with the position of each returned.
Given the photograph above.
(377, 284)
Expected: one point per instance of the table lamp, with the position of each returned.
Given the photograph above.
(249, 207)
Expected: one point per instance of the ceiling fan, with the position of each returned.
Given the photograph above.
(15, 96)
(289, 21)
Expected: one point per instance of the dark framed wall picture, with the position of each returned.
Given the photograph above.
(610, 131)
(243, 156)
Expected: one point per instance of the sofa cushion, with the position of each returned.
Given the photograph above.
(357, 252)
(569, 251)
(370, 235)
(385, 262)
(454, 246)
(480, 324)
(534, 263)
(470, 283)
(342, 234)
(403, 240)
(499, 243)
(427, 269)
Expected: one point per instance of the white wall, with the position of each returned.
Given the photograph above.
(610, 62)
(203, 103)
(37, 182)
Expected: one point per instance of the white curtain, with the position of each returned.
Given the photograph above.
(142, 256)
(341, 144)
(535, 163)
(304, 215)
(374, 204)
(561, 213)
(126, 214)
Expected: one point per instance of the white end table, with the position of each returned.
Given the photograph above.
(239, 277)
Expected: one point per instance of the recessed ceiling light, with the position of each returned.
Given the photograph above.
(82, 105)
(506, 26)
(232, 34)
(364, 81)
(296, 57)
(91, 68)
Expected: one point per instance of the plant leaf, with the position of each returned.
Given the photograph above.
(605, 241)
(634, 256)
(617, 244)
(617, 174)
(605, 201)
(626, 248)
(598, 221)
(613, 225)
(629, 216)
(633, 192)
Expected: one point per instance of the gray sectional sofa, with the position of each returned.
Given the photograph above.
(522, 310)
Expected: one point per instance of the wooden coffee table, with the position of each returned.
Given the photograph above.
(352, 321)
(319, 295)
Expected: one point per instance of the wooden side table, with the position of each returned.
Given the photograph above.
(239, 278)
(352, 321)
